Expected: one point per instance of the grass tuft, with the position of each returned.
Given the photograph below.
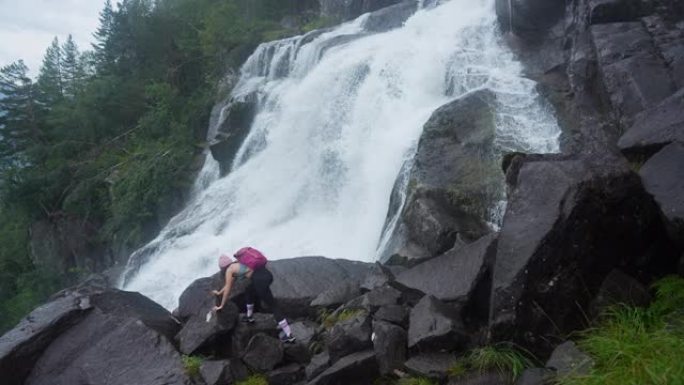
(634, 346)
(328, 319)
(192, 365)
(509, 361)
(255, 379)
(415, 381)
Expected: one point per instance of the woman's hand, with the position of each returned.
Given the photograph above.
(216, 308)
(215, 292)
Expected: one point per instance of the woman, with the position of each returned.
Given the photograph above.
(249, 264)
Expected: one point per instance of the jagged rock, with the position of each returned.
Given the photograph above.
(299, 352)
(560, 217)
(382, 296)
(396, 314)
(431, 365)
(196, 299)
(378, 276)
(356, 368)
(220, 372)
(528, 17)
(23, 345)
(199, 333)
(434, 326)
(536, 376)
(239, 114)
(297, 281)
(454, 275)
(390, 17)
(487, 378)
(286, 375)
(318, 364)
(349, 336)
(389, 344)
(337, 295)
(655, 128)
(663, 178)
(243, 332)
(263, 353)
(454, 181)
(568, 359)
(634, 76)
(305, 331)
(619, 288)
(109, 348)
(350, 9)
(613, 11)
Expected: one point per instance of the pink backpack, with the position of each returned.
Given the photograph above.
(251, 258)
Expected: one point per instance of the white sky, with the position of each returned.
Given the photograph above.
(27, 27)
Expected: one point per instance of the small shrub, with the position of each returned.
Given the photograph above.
(505, 359)
(328, 319)
(192, 365)
(255, 379)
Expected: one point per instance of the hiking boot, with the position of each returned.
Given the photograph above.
(284, 338)
(248, 320)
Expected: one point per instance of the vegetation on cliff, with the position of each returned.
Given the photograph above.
(103, 141)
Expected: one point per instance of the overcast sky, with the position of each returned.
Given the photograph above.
(27, 27)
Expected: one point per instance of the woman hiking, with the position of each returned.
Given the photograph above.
(250, 264)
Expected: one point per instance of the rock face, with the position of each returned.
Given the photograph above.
(263, 353)
(619, 288)
(355, 368)
(454, 181)
(239, 114)
(568, 224)
(568, 359)
(350, 336)
(663, 177)
(454, 275)
(389, 345)
(655, 128)
(434, 326)
(431, 365)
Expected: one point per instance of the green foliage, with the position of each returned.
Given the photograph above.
(192, 364)
(508, 360)
(633, 346)
(255, 379)
(416, 381)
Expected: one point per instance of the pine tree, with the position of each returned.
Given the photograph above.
(103, 54)
(50, 79)
(73, 72)
(18, 112)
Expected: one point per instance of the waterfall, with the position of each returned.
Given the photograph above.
(339, 114)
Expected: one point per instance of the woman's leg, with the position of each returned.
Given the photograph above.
(262, 280)
(250, 298)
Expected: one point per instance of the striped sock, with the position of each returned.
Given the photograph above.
(285, 327)
(250, 309)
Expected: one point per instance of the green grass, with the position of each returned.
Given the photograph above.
(635, 346)
(255, 379)
(192, 365)
(328, 319)
(416, 381)
(503, 358)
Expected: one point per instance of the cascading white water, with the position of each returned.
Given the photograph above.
(339, 114)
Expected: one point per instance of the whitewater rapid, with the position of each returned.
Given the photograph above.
(339, 114)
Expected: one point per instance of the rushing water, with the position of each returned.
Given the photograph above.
(339, 113)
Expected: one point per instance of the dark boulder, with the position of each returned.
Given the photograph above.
(389, 344)
(529, 17)
(454, 182)
(431, 365)
(239, 114)
(396, 314)
(356, 368)
(390, 17)
(435, 326)
(305, 333)
(655, 128)
(378, 276)
(568, 359)
(104, 348)
(318, 364)
(337, 295)
(202, 332)
(350, 9)
(454, 275)
(220, 372)
(619, 288)
(23, 345)
(613, 11)
(243, 332)
(297, 281)
(196, 299)
(536, 376)
(663, 178)
(349, 336)
(286, 375)
(263, 353)
(371, 301)
(486, 378)
(567, 225)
